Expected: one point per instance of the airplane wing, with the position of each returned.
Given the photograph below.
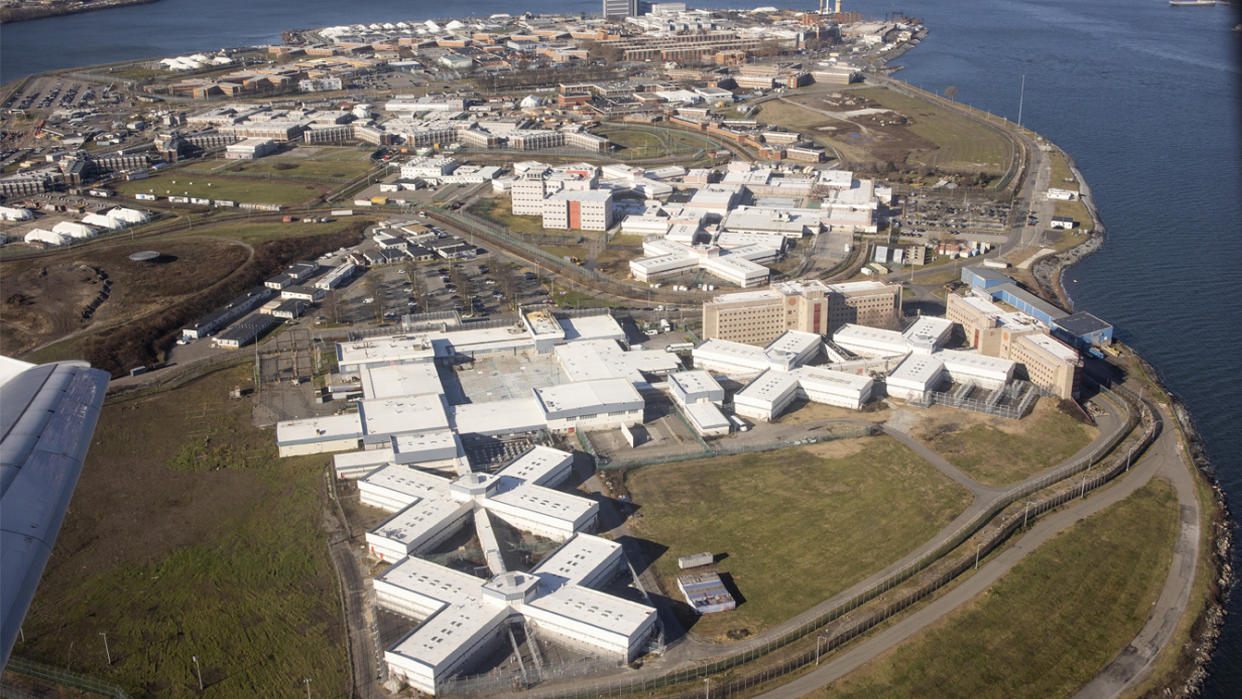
(47, 416)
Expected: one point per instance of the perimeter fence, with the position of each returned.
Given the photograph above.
(836, 626)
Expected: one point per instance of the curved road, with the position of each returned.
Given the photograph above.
(1165, 458)
(690, 651)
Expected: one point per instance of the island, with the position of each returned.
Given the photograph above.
(580, 355)
(21, 10)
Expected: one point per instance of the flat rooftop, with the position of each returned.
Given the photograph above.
(394, 380)
(581, 605)
(576, 560)
(384, 350)
(498, 417)
(389, 416)
(600, 327)
(767, 387)
(318, 429)
(406, 481)
(546, 503)
(588, 398)
(1052, 346)
(420, 521)
(536, 465)
(695, 381)
(919, 370)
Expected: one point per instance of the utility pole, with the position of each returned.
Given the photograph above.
(198, 671)
(107, 653)
(1021, 94)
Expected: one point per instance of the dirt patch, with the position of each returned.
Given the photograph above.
(49, 298)
(836, 449)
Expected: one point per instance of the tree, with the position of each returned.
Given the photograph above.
(951, 92)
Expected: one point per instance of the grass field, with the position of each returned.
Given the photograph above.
(963, 143)
(1061, 177)
(797, 525)
(1000, 452)
(501, 209)
(320, 164)
(189, 537)
(240, 189)
(1049, 625)
(259, 232)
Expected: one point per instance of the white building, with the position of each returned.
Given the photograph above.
(589, 210)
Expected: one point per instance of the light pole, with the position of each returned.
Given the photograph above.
(198, 671)
(307, 683)
(1026, 514)
(1021, 94)
(107, 653)
(818, 642)
(707, 691)
(1083, 492)
(977, 547)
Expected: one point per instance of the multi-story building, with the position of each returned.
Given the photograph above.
(758, 317)
(1018, 336)
(620, 8)
(587, 210)
(528, 195)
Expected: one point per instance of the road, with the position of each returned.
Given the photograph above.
(1165, 458)
(691, 651)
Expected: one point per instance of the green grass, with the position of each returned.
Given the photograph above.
(500, 209)
(1051, 623)
(259, 232)
(964, 145)
(327, 165)
(1061, 177)
(189, 537)
(994, 456)
(798, 525)
(59, 351)
(239, 189)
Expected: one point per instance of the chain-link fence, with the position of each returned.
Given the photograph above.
(850, 628)
(64, 677)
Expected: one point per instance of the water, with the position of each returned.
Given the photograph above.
(1144, 96)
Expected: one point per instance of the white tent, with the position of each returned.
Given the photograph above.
(12, 213)
(42, 235)
(77, 231)
(103, 221)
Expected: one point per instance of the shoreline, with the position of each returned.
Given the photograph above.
(26, 14)
(1197, 650)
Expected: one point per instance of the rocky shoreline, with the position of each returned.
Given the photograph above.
(1196, 653)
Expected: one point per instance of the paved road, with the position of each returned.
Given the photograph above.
(692, 651)
(1164, 458)
(1133, 664)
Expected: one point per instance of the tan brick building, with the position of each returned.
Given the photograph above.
(758, 317)
(1010, 334)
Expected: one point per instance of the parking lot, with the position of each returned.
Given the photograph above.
(480, 287)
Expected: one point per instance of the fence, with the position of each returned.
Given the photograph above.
(837, 612)
(1011, 402)
(64, 677)
(714, 450)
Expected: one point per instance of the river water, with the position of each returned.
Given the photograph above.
(1143, 95)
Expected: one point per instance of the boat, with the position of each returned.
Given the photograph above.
(1192, 3)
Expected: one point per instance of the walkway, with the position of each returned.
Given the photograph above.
(1164, 458)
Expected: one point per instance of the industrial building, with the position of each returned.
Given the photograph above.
(758, 317)
(464, 616)
(1051, 365)
(699, 396)
(245, 331)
